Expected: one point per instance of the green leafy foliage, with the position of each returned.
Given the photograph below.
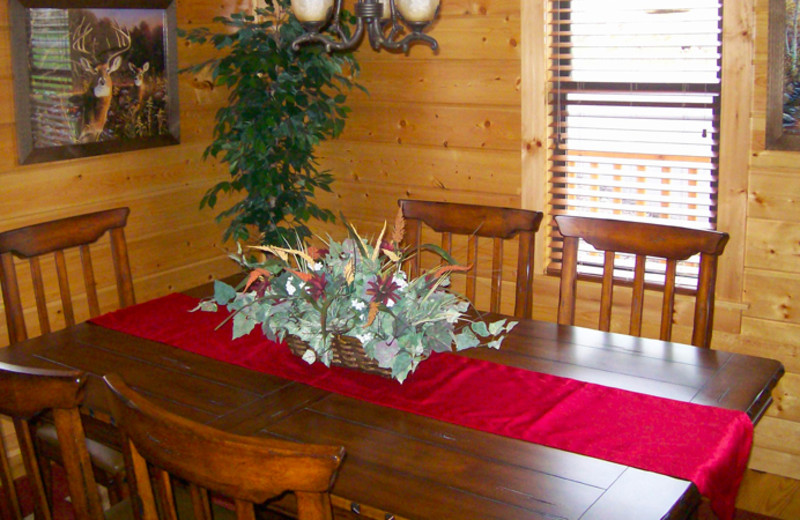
(282, 104)
(355, 288)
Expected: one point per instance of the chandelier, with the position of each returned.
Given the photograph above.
(381, 18)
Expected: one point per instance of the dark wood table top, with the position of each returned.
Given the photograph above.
(419, 468)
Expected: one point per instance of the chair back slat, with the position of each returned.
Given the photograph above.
(607, 291)
(31, 242)
(472, 261)
(38, 291)
(166, 495)
(569, 281)
(122, 267)
(497, 272)
(447, 241)
(63, 286)
(313, 505)
(637, 299)
(668, 302)
(246, 469)
(15, 319)
(474, 221)
(244, 510)
(25, 393)
(523, 298)
(704, 309)
(89, 282)
(414, 239)
(201, 505)
(670, 243)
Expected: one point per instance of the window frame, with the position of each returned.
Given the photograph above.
(737, 75)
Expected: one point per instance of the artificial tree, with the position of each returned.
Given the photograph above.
(282, 103)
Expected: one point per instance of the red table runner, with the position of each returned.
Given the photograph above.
(706, 445)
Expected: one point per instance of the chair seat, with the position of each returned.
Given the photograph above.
(122, 510)
(103, 457)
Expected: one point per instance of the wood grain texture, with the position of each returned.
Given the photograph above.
(491, 82)
(462, 126)
(765, 492)
(774, 195)
(372, 171)
(447, 475)
(736, 100)
(773, 245)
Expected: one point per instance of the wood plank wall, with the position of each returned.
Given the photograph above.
(444, 127)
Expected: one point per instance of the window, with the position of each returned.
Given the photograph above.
(634, 98)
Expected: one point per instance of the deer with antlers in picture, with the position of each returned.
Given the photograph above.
(96, 100)
(139, 81)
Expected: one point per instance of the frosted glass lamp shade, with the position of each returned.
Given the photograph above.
(312, 10)
(417, 10)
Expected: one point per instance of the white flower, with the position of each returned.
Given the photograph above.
(316, 267)
(289, 287)
(359, 305)
(309, 356)
(364, 338)
(400, 280)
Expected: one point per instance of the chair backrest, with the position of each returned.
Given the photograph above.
(475, 221)
(25, 393)
(641, 239)
(249, 470)
(31, 242)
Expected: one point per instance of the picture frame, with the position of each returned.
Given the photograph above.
(783, 77)
(93, 77)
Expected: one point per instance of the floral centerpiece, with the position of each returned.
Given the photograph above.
(355, 290)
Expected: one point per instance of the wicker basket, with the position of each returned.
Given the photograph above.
(346, 352)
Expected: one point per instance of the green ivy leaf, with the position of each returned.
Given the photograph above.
(242, 325)
(223, 293)
(466, 339)
(479, 328)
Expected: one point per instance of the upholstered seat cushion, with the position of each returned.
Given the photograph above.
(103, 457)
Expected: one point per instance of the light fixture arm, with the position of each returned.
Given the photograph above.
(368, 14)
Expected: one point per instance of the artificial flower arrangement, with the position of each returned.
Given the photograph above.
(354, 290)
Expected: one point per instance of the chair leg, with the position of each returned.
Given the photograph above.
(47, 476)
(116, 490)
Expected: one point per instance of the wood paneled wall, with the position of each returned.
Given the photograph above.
(443, 126)
(172, 244)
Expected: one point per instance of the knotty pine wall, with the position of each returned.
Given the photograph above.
(443, 127)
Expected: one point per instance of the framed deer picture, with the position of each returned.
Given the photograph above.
(93, 76)
(783, 76)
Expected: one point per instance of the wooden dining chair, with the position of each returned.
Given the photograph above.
(33, 242)
(249, 470)
(26, 393)
(643, 240)
(474, 221)
(57, 236)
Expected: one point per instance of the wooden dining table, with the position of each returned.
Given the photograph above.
(401, 465)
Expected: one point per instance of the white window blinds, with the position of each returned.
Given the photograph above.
(634, 97)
